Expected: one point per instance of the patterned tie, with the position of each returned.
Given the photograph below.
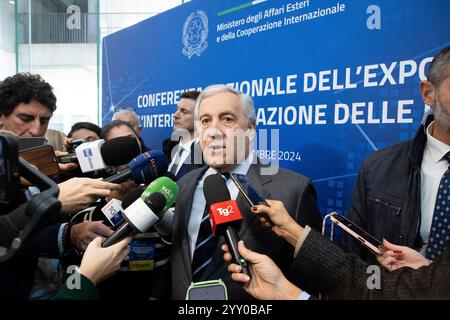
(205, 245)
(440, 226)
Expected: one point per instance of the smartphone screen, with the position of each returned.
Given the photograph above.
(215, 292)
(357, 232)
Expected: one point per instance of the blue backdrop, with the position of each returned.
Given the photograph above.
(339, 79)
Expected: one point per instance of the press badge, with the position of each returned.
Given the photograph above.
(142, 254)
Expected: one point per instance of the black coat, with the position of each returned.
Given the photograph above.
(386, 201)
(324, 267)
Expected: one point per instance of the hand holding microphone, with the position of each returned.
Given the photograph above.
(143, 169)
(99, 263)
(77, 193)
(268, 282)
(96, 155)
(225, 216)
(147, 210)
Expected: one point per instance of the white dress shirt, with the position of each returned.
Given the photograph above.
(199, 202)
(432, 169)
(178, 160)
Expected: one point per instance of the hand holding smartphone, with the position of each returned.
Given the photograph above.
(43, 157)
(250, 194)
(362, 236)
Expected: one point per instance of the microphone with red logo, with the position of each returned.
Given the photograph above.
(225, 216)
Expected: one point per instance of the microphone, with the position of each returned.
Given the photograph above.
(148, 209)
(120, 150)
(225, 216)
(164, 225)
(70, 158)
(114, 152)
(142, 169)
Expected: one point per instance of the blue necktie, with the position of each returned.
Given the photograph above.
(205, 245)
(440, 226)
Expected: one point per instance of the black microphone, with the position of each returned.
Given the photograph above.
(120, 150)
(225, 216)
(131, 196)
(70, 158)
(142, 169)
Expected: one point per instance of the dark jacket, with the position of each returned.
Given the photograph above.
(86, 291)
(194, 161)
(386, 201)
(338, 275)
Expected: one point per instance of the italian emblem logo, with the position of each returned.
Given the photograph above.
(195, 34)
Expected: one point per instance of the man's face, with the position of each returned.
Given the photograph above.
(442, 104)
(183, 118)
(27, 120)
(224, 131)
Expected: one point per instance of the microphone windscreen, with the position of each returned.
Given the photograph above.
(215, 189)
(131, 196)
(166, 186)
(156, 201)
(148, 166)
(120, 151)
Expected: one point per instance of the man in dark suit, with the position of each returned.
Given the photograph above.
(226, 122)
(336, 274)
(396, 196)
(183, 148)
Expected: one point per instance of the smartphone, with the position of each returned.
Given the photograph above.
(43, 157)
(31, 142)
(249, 193)
(9, 169)
(365, 238)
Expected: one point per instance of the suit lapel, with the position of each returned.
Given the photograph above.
(259, 183)
(185, 211)
(195, 157)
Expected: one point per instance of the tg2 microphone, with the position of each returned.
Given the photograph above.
(225, 216)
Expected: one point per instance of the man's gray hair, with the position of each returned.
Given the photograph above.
(125, 112)
(248, 107)
(440, 67)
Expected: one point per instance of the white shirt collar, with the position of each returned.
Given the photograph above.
(187, 146)
(436, 148)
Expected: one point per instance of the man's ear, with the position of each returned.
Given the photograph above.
(428, 91)
(251, 131)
